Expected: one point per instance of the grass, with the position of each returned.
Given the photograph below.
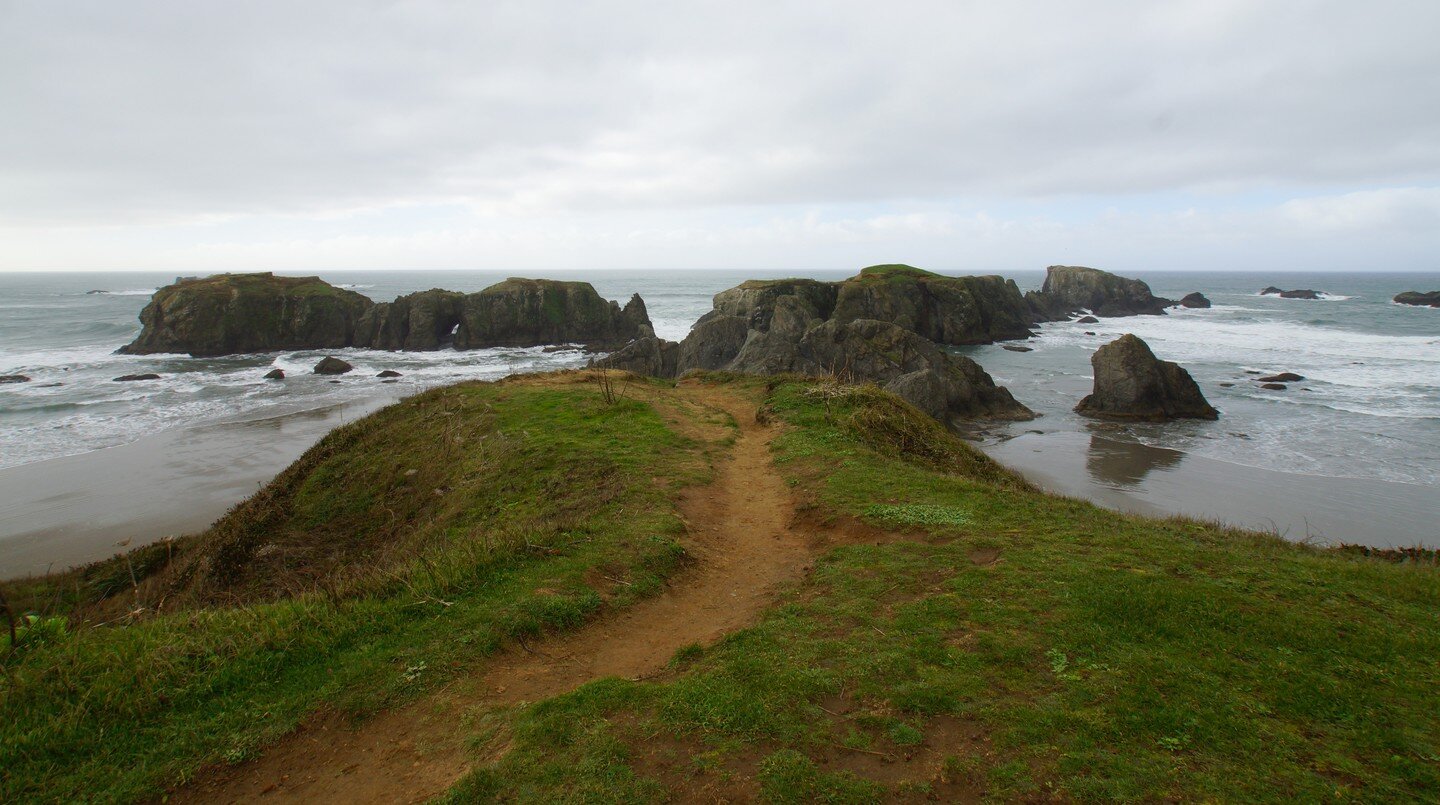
(1012, 645)
(968, 637)
(350, 584)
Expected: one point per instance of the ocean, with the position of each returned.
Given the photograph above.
(1356, 444)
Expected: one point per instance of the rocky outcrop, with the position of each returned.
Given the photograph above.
(1194, 300)
(238, 313)
(1131, 383)
(330, 365)
(134, 378)
(420, 321)
(810, 327)
(1301, 293)
(649, 356)
(13, 379)
(526, 312)
(946, 310)
(1431, 299)
(388, 373)
(275, 374)
(1283, 377)
(1070, 289)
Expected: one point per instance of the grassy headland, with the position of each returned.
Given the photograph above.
(970, 637)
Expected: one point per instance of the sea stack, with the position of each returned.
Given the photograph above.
(1069, 289)
(1431, 299)
(1131, 383)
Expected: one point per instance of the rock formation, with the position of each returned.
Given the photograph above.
(330, 365)
(1194, 300)
(425, 320)
(134, 378)
(388, 373)
(1301, 293)
(1070, 289)
(1131, 383)
(1283, 377)
(13, 379)
(275, 374)
(1431, 299)
(237, 313)
(525, 313)
(815, 328)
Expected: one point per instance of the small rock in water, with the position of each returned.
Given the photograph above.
(1227, 385)
(332, 366)
(1087, 320)
(130, 378)
(1194, 300)
(1253, 372)
(1283, 377)
(1014, 348)
(388, 373)
(275, 374)
(1089, 332)
(1274, 386)
(14, 379)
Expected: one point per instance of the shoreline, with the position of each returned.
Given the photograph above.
(1160, 482)
(73, 510)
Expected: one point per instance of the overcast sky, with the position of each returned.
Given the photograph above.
(960, 136)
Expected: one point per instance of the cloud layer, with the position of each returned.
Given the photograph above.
(179, 128)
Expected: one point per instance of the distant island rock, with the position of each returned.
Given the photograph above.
(1418, 298)
(1072, 289)
(820, 328)
(241, 313)
(1194, 300)
(1301, 293)
(1131, 383)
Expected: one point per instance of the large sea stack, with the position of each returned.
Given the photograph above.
(1071, 289)
(238, 313)
(822, 328)
(1131, 383)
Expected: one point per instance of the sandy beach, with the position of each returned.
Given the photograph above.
(69, 511)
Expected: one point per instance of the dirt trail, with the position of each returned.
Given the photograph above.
(740, 532)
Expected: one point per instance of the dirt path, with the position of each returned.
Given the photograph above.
(740, 533)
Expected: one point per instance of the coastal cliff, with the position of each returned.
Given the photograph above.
(239, 313)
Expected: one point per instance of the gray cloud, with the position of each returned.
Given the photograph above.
(168, 111)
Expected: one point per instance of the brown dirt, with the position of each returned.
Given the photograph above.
(746, 550)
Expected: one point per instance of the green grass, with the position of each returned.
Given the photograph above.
(349, 584)
(1013, 645)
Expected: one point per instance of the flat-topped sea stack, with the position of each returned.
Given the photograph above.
(1419, 299)
(825, 328)
(237, 313)
(240, 313)
(1131, 383)
(1072, 289)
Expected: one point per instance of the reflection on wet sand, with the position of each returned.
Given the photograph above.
(1117, 463)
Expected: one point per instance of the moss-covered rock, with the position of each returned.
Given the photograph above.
(530, 312)
(237, 313)
(946, 310)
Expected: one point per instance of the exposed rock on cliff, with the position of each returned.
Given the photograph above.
(526, 312)
(236, 313)
(1131, 383)
(1069, 289)
(1431, 299)
(650, 356)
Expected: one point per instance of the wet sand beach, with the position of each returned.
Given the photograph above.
(1140, 478)
(69, 511)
